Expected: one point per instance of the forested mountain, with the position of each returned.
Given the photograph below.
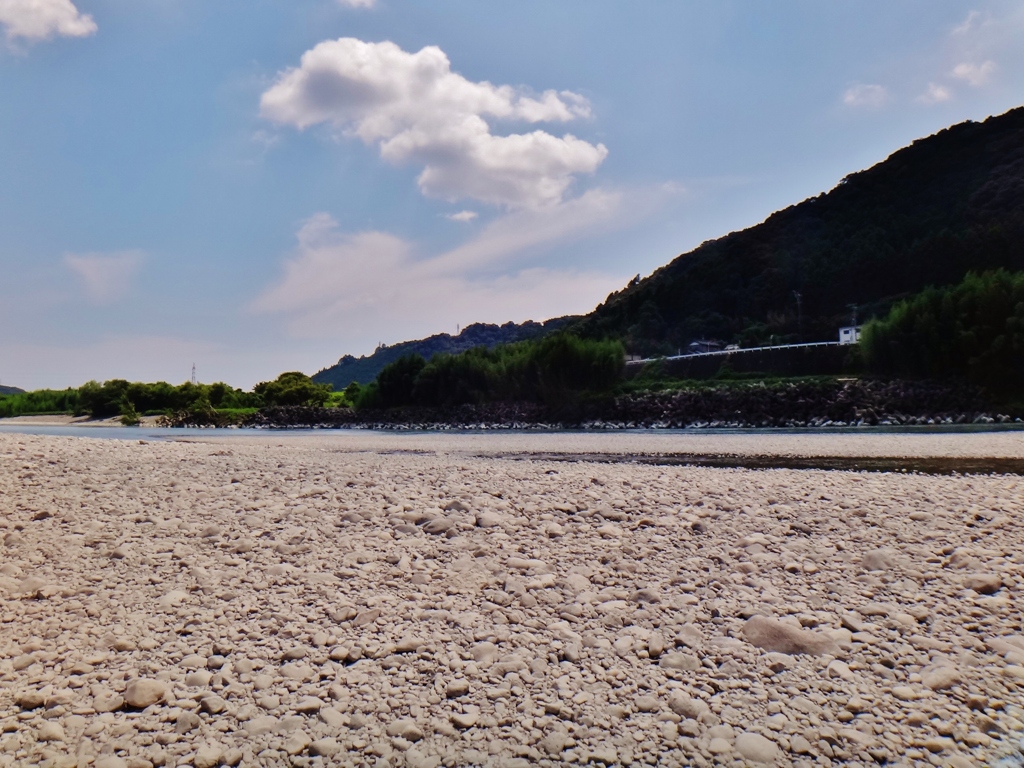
(931, 212)
(365, 369)
(5, 390)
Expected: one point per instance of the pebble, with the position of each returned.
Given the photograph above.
(465, 719)
(457, 688)
(683, 662)
(324, 748)
(29, 699)
(141, 693)
(940, 678)
(984, 583)
(50, 731)
(779, 637)
(208, 756)
(756, 748)
(406, 729)
(719, 746)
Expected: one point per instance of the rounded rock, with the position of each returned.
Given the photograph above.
(141, 693)
(756, 748)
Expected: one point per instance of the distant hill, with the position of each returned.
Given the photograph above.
(365, 369)
(4, 390)
(927, 215)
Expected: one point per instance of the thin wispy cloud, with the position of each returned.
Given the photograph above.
(973, 20)
(36, 20)
(462, 216)
(104, 277)
(509, 237)
(358, 3)
(349, 285)
(416, 110)
(866, 96)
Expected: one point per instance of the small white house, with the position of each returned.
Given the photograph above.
(849, 334)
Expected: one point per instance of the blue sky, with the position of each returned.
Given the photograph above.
(259, 185)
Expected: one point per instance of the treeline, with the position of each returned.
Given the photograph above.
(973, 330)
(552, 371)
(118, 397)
(39, 401)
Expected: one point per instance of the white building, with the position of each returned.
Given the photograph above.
(850, 334)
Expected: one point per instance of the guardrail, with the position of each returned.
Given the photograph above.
(721, 352)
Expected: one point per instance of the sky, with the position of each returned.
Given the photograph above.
(256, 186)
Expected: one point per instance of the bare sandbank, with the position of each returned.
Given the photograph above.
(405, 600)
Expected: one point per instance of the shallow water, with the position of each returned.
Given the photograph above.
(177, 433)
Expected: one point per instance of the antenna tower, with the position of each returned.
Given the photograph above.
(799, 315)
(194, 374)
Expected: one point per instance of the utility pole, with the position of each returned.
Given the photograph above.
(799, 316)
(853, 309)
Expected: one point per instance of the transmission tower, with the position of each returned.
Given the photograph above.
(194, 382)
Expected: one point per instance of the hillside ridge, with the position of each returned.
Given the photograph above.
(946, 204)
(365, 369)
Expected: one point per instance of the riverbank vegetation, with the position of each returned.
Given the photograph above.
(552, 371)
(118, 397)
(973, 331)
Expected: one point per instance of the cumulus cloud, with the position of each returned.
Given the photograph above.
(462, 216)
(34, 20)
(105, 277)
(371, 285)
(935, 94)
(973, 73)
(866, 96)
(418, 111)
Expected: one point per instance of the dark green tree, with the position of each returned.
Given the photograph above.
(396, 382)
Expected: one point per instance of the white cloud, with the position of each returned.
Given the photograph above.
(462, 216)
(974, 74)
(104, 277)
(935, 94)
(418, 111)
(370, 285)
(43, 19)
(358, 3)
(866, 96)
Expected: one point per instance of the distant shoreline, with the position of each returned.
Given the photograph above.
(57, 420)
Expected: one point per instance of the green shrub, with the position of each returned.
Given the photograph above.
(293, 388)
(129, 416)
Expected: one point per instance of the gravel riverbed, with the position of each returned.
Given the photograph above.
(426, 601)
